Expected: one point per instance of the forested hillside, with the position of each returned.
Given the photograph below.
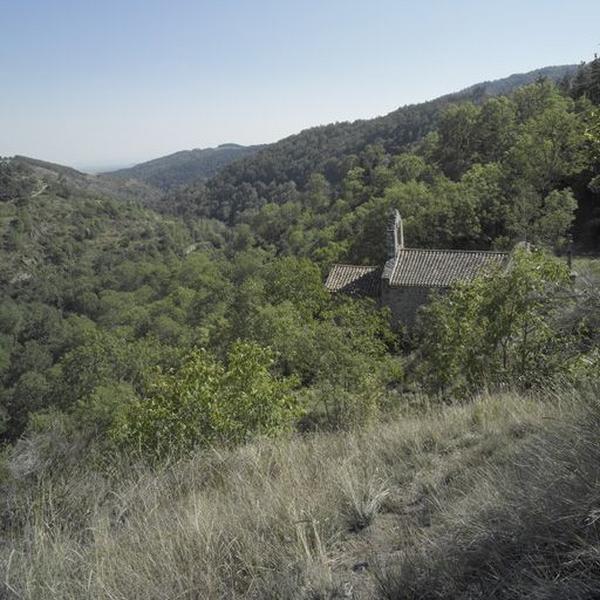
(185, 167)
(96, 293)
(86, 273)
(68, 179)
(480, 173)
(334, 149)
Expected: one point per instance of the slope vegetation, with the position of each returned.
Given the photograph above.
(97, 185)
(60, 226)
(185, 412)
(185, 167)
(335, 148)
(496, 499)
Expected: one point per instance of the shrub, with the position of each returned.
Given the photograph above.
(497, 329)
(206, 402)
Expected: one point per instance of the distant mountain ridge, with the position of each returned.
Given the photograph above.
(186, 166)
(130, 190)
(189, 167)
(505, 85)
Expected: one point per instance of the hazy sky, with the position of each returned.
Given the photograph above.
(95, 83)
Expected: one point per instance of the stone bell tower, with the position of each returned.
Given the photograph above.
(394, 234)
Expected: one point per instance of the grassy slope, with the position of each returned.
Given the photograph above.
(488, 500)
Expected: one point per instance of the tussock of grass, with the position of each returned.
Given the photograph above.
(527, 529)
(430, 496)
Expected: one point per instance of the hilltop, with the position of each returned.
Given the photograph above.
(99, 185)
(325, 148)
(248, 171)
(184, 167)
(332, 150)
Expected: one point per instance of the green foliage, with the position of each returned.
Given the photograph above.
(543, 220)
(456, 145)
(344, 358)
(586, 82)
(491, 175)
(97, 291)
(549, 148)
(16, 181)
(592, 134)
(244, 187)
(103, 304)
(206, 402)
(298, 281)
(498, 329)
(97, 411)
(104, 359)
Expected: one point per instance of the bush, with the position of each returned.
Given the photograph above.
(206, 402)
(499, 329)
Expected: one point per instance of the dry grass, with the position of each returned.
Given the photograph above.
(348, 515)
(528, 528)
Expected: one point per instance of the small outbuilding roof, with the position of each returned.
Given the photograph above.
(356, 280)
(441, 268)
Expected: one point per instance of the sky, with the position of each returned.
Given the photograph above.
(103, 83)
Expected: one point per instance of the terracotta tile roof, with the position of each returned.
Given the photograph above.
(440, 268)
(354, 279)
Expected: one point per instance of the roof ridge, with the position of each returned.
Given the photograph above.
(455, 250)
(359, 266)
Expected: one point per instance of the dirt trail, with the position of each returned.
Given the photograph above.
(40, 191)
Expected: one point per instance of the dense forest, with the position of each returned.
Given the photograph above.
(101, 294)
(318, 194)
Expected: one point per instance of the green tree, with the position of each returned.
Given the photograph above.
(16, 181)
(457, 143)
(542, 220)
(317, 192)
(105, 359)
(495, 129)
(206, 402)
(409, 167)
(497, 329)
(298, 280)
(549, 148)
